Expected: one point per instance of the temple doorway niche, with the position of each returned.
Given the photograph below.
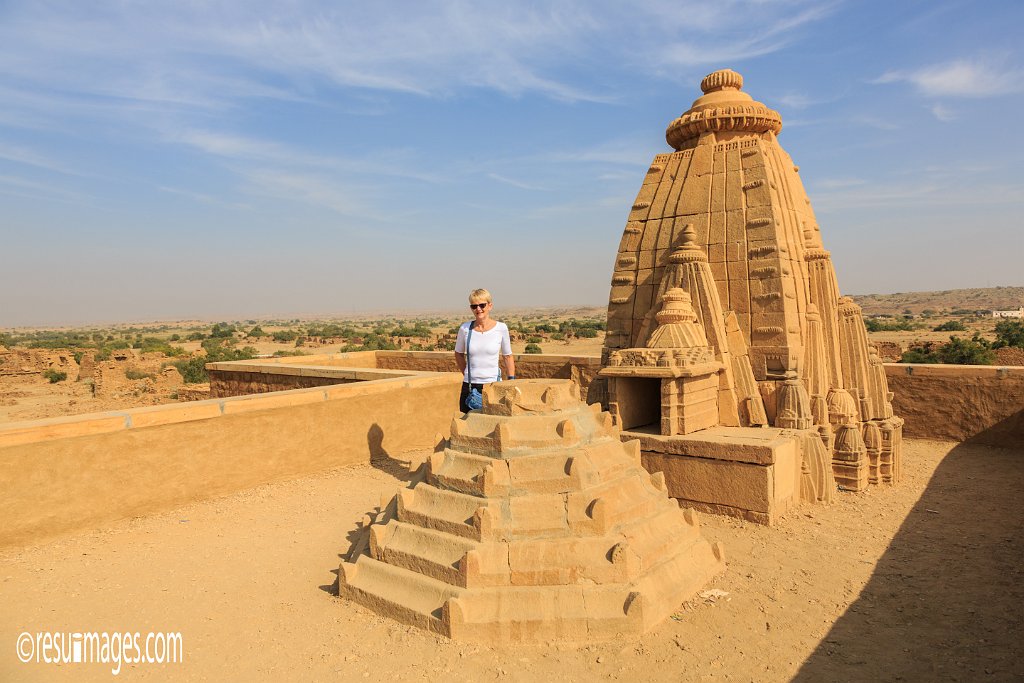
(639, 400)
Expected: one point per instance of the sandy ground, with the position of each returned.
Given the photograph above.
(921, 582)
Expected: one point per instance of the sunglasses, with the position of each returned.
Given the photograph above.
(480, 306)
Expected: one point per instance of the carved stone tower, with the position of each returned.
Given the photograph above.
(725, 218)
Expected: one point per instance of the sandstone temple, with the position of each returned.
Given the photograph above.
(737, 381)
(730, 353)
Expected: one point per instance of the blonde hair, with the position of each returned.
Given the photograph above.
(480, 295)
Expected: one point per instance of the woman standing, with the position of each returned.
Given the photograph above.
(486, 340)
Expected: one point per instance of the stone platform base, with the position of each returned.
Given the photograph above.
(738, 471)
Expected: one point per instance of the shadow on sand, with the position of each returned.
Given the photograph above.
(382, 460)
(358, 536)
(946, 600)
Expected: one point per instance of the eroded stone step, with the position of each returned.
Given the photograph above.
(566, 561)
(655, 539)
(505, 437)
(600, 509)
(467, 472)
(424, 551)
(610, 458)
(539, 614)
(670, 583)
(448, 511)
(396, 592)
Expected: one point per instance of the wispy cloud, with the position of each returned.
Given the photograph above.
(943, 113)
(307, 188)
(928, 193)
(838, 183)
(515, 183)
(204, 198)
(24, 155)
(203, 56)
(978, 77)
(15, 185)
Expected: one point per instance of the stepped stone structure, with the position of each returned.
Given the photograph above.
(776, 360)
(533, 522)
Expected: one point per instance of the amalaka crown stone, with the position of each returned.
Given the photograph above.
(723, 108)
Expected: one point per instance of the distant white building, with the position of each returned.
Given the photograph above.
(1019, 313)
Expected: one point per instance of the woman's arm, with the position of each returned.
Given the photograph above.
(510, 366)
(506, 352)
(460, 349)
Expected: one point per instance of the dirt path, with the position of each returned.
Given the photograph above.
(920, 582)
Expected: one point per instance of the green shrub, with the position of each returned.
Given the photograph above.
(55, 375)
(975, 351)
(533, 348)
(950, 326)
(918, 354)
(256, 331)
(533, 340)
(957, 351)
(133, 373)
(876, 325)
(193, 370)
(220, 330)
(285, 336)
(1009, 333)
(154, 344)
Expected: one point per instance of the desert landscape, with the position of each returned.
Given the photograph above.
(730, 470)
(70, 371)
(136, 364)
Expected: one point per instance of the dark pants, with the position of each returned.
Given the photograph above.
(465, 395)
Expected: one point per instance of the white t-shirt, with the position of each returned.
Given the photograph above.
(484, 348)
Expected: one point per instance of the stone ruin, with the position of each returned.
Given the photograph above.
(533, 522)
(735, 373)
(730, 354)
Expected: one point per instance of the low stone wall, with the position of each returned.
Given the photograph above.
(241, 378)
(976, 403)
(224, 384)
(67, 474)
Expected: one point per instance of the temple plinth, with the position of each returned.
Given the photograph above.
(535, 522)
(725, 218)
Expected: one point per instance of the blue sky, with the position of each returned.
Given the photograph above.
(237, 159)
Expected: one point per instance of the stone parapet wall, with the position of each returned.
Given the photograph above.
(581, 369)
(224, 384)
(976, 403)
(979, 403)
(241, 378)
(67, 474)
